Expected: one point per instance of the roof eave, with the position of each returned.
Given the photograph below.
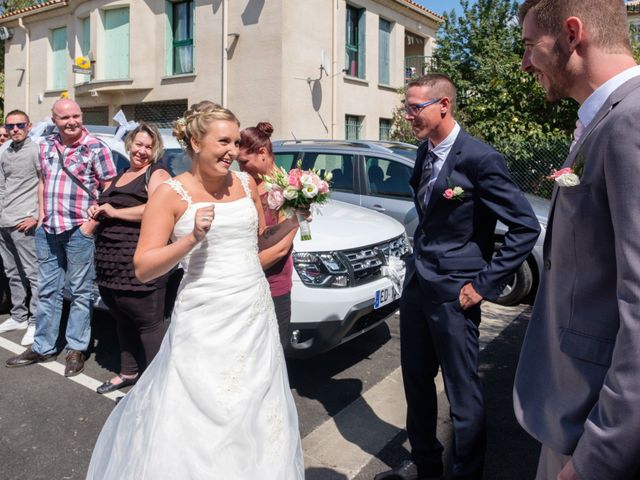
(421, 10)
(22, 13)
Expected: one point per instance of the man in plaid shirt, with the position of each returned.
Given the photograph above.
(64, 238)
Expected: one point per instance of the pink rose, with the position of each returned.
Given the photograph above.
(324, 187)
(275, 199)
(294, 178)
(317, 181)
(448, 194)
(558, 173)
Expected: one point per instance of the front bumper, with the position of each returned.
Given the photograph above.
(323, 318)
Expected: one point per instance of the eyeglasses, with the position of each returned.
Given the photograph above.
(417, 108)
(4, 135)
(10, 126)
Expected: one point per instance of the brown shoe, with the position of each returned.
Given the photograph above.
(28, 357)
(74, 363)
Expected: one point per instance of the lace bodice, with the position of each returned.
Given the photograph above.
(233, 237)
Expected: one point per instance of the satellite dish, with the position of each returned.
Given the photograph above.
(324, 63)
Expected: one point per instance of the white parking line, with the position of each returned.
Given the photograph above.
(82, 379)
(349, 440)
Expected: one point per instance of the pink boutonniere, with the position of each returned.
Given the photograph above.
(453, 193)
(565, 177)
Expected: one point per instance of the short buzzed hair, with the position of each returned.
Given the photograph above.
(17, 112)
(605, 20)
(440, 84)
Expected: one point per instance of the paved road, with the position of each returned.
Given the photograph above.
(350, 405)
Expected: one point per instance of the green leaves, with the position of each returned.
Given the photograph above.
(481, 51)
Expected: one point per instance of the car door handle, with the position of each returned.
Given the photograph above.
(378, 208)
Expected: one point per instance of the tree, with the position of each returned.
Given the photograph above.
(481, 51)
(10, 5)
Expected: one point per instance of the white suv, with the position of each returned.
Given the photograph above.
(344, 282)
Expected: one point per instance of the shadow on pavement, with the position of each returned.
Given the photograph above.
(323, 474)
(511, 452)
(313, 377)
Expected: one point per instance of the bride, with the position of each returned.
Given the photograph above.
(215, 403)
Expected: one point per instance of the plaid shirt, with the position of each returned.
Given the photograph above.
(65, 203)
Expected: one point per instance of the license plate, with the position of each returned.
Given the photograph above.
(384, 296)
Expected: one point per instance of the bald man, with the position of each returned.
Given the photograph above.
(74, 167)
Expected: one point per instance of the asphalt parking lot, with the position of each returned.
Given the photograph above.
(349, 400)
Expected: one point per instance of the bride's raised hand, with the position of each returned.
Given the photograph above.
(203, 221)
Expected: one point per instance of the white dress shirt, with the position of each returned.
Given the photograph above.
(441, 151)
(596, 100)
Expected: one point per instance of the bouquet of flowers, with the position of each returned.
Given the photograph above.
(296, 189)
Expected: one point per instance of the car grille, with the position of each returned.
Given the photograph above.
(366, 263)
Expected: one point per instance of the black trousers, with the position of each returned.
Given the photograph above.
(440, 335)
(282, 304)
(140, 325)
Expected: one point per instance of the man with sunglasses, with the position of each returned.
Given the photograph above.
(74, 166)
(461, 188)
(18, 217)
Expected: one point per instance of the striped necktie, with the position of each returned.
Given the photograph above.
(425, 178)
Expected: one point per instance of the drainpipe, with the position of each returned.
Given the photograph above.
(334, 70)
(225, 66)
(27, 60)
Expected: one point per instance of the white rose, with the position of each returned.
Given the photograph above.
(568, 180)
(309, 191)
(306, 179)
(267, 186)
(290, 193)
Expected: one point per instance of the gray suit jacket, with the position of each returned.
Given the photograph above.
(577, 388)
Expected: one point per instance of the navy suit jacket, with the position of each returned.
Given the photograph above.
(454, 241)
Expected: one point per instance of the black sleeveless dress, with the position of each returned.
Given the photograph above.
(117, 239)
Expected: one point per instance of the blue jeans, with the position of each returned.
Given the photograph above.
(66, 255)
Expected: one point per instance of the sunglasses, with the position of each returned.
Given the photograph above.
(417, 108)
(4, 135)
(10, 126)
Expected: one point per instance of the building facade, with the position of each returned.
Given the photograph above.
(313, 68)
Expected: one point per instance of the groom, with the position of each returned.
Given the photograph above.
(461, 188)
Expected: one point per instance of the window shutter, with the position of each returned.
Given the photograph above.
(116, 61)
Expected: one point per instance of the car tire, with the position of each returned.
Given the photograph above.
(518, 286)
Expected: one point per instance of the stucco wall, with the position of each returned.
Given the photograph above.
(255, 64)
(273, 66)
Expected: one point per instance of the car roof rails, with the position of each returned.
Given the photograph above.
(369, 144)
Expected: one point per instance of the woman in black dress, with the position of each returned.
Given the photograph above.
(138, 308)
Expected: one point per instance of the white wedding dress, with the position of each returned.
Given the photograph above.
(215, 403)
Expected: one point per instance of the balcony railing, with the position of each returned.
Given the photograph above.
(417, 65)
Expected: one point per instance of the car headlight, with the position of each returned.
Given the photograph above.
(321, 269)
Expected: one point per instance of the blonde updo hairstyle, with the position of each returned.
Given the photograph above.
(157, 147)
(194, 123)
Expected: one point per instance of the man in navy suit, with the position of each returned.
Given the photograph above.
(461, 188)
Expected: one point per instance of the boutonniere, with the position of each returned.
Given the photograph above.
(569, 176)
(565, 177)
(453, 192)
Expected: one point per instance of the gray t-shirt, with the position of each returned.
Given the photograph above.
(19, 183)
